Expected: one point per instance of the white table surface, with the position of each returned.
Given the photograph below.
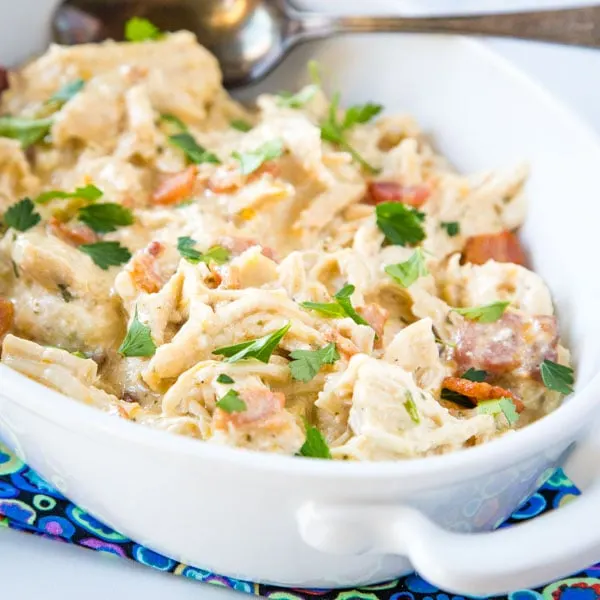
(32, 568)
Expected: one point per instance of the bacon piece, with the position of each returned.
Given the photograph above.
(176, 188)
(391, 191)
(501, 247)
(376, 316)
(345, 347)
(262, 408)
(76, 235)
(478, 391)
(515, 343)
(7, 316)
(237, 245)
(143, 268)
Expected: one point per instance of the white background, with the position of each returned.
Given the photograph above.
(32, 568)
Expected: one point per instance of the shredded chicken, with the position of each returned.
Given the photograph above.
(268, 288)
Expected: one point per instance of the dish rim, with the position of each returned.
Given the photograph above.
(552, 428)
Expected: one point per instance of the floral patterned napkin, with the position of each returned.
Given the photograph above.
(28, 503)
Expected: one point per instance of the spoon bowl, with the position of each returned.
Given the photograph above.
(250, 37)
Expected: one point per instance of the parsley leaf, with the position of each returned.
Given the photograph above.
(456, 398)
(66, 92)
(503, 406)
(250, 161)
(138, 341)
(411, 408)
(27, 131)
(298, 100)
(360, 114)
(193, 151)
(224, 378)
(86, 192)
(106, 254)
(452, 227)
(339, 309)
(327, 309)
(175, 121)
(474, 375)
(557, 377)
(401, 224)
(21, 216)
(106, 217)
(141, 30)
(343, 299)
(307, 363)
(241, 125)
(315, 445)
(407, 272)
(231, 402)
(261, 348)
(185, 246)
(486, 313)
(334, 132)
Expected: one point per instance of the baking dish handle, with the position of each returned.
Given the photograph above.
(527, 555)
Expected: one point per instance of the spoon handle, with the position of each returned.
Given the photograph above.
(576, 26)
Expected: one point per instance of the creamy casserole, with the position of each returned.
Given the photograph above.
(295, 278)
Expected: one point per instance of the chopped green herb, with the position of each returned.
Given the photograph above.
(15, 268)
(456, 398)
(452, 227)
(27, 131)
(407, 272)
(21, 216)
(306, 364)
(65, 292)
(106, 254)
(173, 120)
(66, 92)
(341, 308)
(411, 408)
(251, 161)
(502, 406)
(79, 354)
(224, 378)
(241, 125)
(401, 224)
(487, 313)
(260, 349)
(443, 342)
(193, 151)
(334, 132)
(474, 375)
(360, 114)
(106, 217)
(327, 309)
(315, 445)
(231, 402)
(298, 100)
(185, 246)
(138, 341)
(557, 377)
(86, 192)
(343, 299)
(141, 30)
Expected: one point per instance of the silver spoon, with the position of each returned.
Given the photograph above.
(250, 37)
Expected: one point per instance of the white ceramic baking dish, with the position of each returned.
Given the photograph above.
(310, 523)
